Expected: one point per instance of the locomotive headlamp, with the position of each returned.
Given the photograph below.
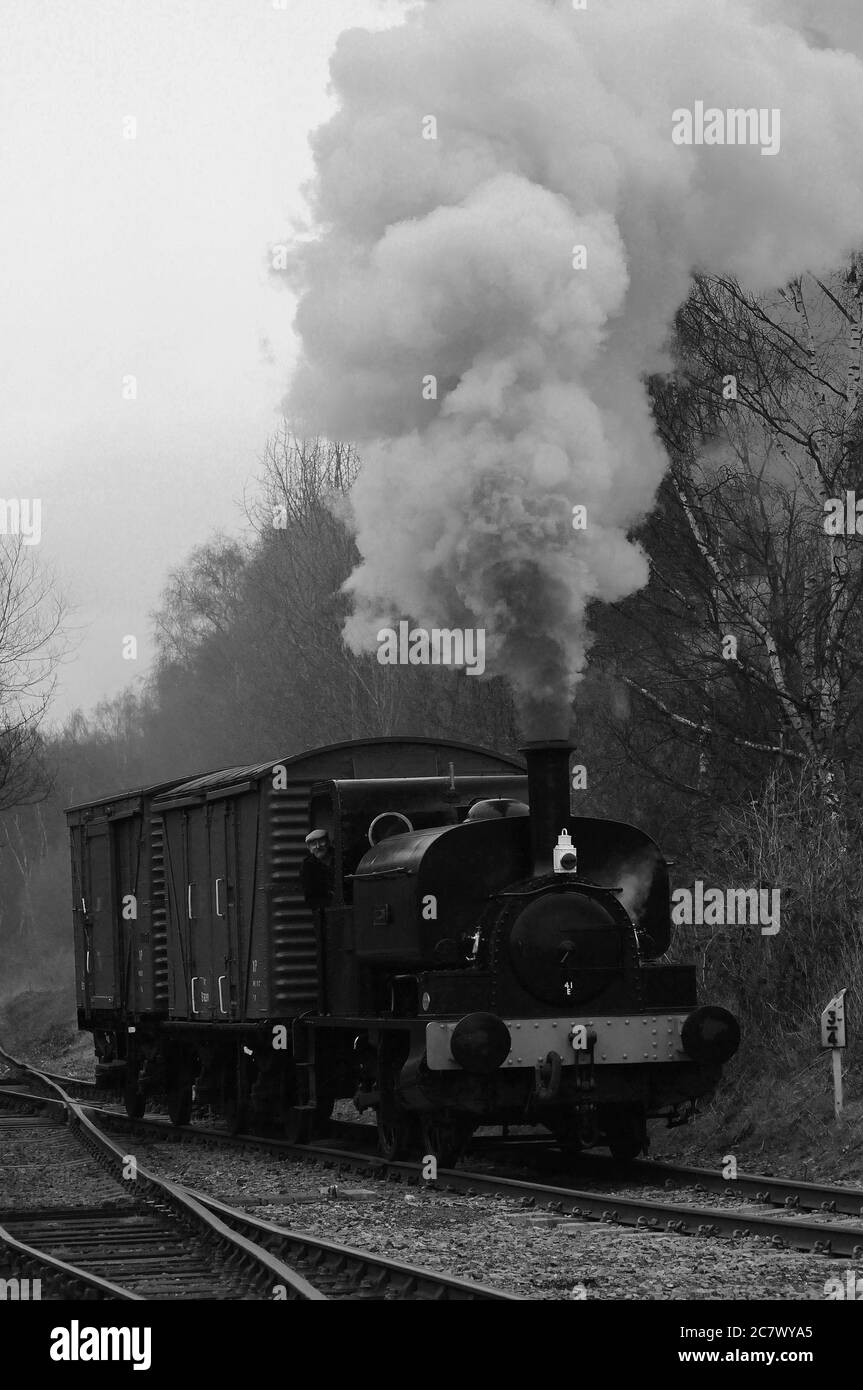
(710, 1034)
(565, 855)
(481, 1043)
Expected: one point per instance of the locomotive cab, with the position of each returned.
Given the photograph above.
(382, 922)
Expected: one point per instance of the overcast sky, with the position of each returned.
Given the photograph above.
(147, 257)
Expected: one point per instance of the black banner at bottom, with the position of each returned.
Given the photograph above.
(57, 1340)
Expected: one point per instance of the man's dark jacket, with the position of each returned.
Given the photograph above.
(316, 880)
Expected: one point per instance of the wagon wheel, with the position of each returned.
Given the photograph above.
(445, 1140)
(179, 1089)
(297, 1123)
(321, 1117)
(236, 1092)
(133, 1097)
(625, 1147)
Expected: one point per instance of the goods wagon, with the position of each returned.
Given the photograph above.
(187, 907)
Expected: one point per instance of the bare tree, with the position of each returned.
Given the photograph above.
(251, 655)
(200, 599)
(30, 615)
(746, 649)
(306, 552)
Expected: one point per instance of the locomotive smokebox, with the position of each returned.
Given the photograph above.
(548, 792)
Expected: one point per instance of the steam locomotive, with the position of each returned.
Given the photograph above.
(487, 957)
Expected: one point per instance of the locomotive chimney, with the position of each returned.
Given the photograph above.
(548, 792)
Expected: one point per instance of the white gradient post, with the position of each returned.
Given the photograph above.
(833, 1036)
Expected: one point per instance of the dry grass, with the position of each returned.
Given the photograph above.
(775, 1106)
(801, 838)
(781, 1126)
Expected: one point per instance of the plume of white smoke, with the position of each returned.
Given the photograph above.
(453, 257)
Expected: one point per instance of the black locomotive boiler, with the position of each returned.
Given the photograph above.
(487, 956)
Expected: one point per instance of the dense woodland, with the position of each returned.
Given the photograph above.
(743, 757)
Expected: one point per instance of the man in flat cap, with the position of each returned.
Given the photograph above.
(317, 871)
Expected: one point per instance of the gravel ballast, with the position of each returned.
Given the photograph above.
(493, 1241)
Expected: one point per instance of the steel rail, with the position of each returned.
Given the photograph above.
(262, 1272)
(70, 1084)
(778, 1192)
(408, 1281)
(60, 1279)
(830, 1238)
(785, 1193)
(335, 1270)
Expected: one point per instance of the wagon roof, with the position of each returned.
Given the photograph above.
(315, 763)
(128, 794)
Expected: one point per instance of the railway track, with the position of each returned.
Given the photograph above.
(826, 1236)
(786, 1193)
(144, 1237)
(789, 1193)
(74, 1086)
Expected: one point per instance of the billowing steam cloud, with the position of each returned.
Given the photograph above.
(453, 257)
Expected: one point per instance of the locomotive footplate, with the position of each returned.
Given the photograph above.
(638, 1038)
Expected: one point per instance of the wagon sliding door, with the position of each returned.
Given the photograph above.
(100, 929)
(187, 873)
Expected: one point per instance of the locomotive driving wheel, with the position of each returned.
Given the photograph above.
(396, 1137)
(445, 1139)
(568, 1138)
(625, 1132)
(296, 1124)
